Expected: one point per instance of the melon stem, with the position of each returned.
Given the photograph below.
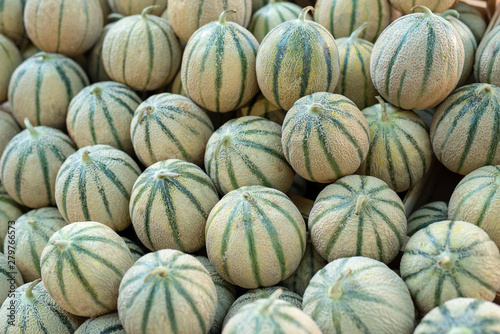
(31, 221)
(115, 16)
(225, 141)
(383, 107)
(147, 11)
(223, 16)
(29, 290)
(276, 294)
(451, 12)
(146, 110)
(445, 262)
(246, 195)
(30, 127)
(335, 290)
(61, 244)
(41, 55)
(85, 156)
(162, 271)
(304, 12)
(484, 88)
(316, 109)
(359, 30)
(164, 174)
(426, 10)
(359, 205)
(96, 90)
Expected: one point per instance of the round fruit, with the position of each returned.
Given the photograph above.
(331, 130)
(95, 64)
(260, 106)
(10, 210)
(134, 249)
(11, 19)
(473, 18)
(10, 277)
(175, 86)
(428, 214)
(11, 58)
(487, 66)
(406, 6)
(8, 129)
(132, 7)
(105, 324)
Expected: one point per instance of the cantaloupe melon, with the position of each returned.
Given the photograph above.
(10, 277)
(11, 19)
(473, 18)
(8, 129)
(487, 66)
(439, 6)
(175, 86)
(11, 58)
(132, 7)
(10, 210)
(105, 324)
(260, 106)
(95, 64)
(428, 214)
(136, 251)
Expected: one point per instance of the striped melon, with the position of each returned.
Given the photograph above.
(106, 10)
(95, 64)
(328, 128)
(218, 66)
(141, 51)
(406, 6)
(355, 82)
(11, 58)
(450, 259)
(258, 4)
(132, 7)
(175, 86)
(170, 126)
(255, 236)
(169, 205)
(358, 216)
(226, 295)
(95, 184)
(30, 164)
(297, 58)
(42, 87)
(28, 50)
(472, 18)
(474, 141)
(10, 210)
(493, 22)
(8, 129)
(134, 249)
(33, 231)
(252, 296)
(271, 315)
(487, 66)
(426, 115)
(11, 19)
(468, 40)
(35, 311)
(461, 315)
(428, 214)
(417, 80)
(272, 15)
(101, 114)
(247, 151)
(187, 16)
(476, 200)
(10, 277)
(105, 324)
(61, 26)
(82, 266)
(400, 149)
(167, 291)
(343, 17)
(260, 106)
(359, 295)
(311, 263)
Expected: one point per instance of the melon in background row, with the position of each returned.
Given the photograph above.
(10, 210)
(95, 64)
(487, 66)
(473, 18)
(260, 106)
(428, 214)
(136, 251)
(10, 277)
(132, 7)
(11, 19)
(8, 129)
(11, 58)
(439, 6)
(105, 324)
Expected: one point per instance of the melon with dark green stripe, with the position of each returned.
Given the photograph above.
(255, 237)
(30, 163)
(8, 129)
(69, 27)
(273, 316)
(33, 231)
(473, 18)
(260, 106)
(11, 58)
(170, 126)
(325, 136)
(95, 65)
(414, 80)
(428, 214)
(141, 51)
(167, 291)
(487, 65)
(42, 87)
(11, 19)
(461, 315)
(343, 17)
(36, 312)
(8, 271)
(474, 141)
(450, 259)
(95, 184)
(358, 216)
(297, 58)
(175, 86)
(101, 114)
(134, 249)
(359, 295)
(439, 6)
(105, 324)
(476, 200)
(10, 210)
(82, 267)
(218, 66)
(169, 206)
(355, 81)
(247, 151)
(132, 7)
(400, 149)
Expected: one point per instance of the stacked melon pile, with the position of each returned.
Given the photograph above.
(249, 167)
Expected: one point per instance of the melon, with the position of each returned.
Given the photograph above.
(11, 58)
(255, 237)
(450, 259)
(35, 311)
(10, 277)
(101, 114)
(134, 249)
(30, 163)
(330, 129)
(428, 214)
(247, 151)
(11, 19)
(476, 200)
(187, 16)
(359, 295)
(42, 87)
(105, 324)
(462, 315)
(170, 126)
(95, 64)
(175, 87)
(494, 21)
(32, 232)
(82, 267)
(95, 184)
(8, 129)
(417, 80)
(66, 27)
(297, 58)
(487, 66)
(180, 288)
(169, 205)
(474, 141)
(400, 149)
(271, 315)
(473, 18)
(343, 17)
(260, 106)
(141, 51)
(426, 115)
(406, 6)
(10, 210)
(257, 4)
(132, 7)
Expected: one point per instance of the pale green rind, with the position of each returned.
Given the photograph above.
(426, 215)
(11, 58)
(136, 251)
(260, 106)
(105, 324)
(487, 66)
(472, 18)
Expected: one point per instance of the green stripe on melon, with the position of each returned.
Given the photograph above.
(260, 106)
(132, 7)
(428, 214)
(8, 129)
(11, 58)
(10, 210)
(487, 66)
(105, 324)
(11, 19)
(473, 18)
(10, 277)
(437, 6)
(134, 249)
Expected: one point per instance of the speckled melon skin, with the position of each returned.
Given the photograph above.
(260, 106)
(429, 213)
(105, 324)
(472, 18)
(132, 7)
(10, 210)
(436, 6)
(11, 58)
(7, 272)
(487, 66)
(8, 129)
(136, 251)
(11, 19)
(417, 80)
